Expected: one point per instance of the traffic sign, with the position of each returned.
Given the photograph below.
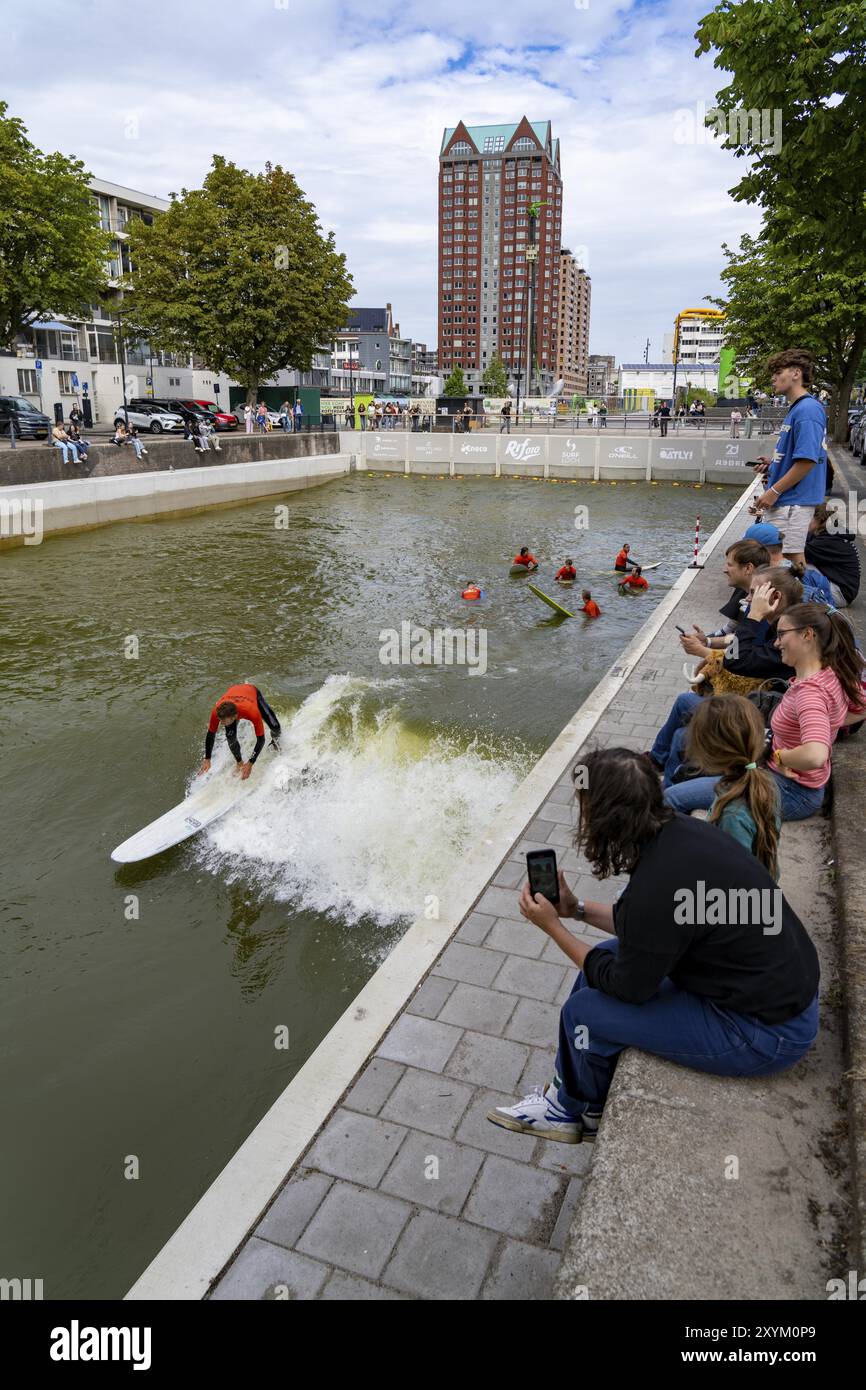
(75, 381)
(38, 365)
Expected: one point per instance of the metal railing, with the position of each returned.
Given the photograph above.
(531, 421)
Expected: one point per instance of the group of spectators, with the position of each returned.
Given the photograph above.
(390, 416)
(290, 417)
(707, 964)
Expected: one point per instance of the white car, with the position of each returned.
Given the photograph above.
(150, 418)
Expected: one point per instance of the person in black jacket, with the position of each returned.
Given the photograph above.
(834, 553)
(707, 964)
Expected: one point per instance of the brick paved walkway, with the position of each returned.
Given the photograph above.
(409, 1191)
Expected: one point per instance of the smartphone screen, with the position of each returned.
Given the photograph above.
(541, 867)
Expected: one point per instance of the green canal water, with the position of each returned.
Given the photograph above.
(139, 1004)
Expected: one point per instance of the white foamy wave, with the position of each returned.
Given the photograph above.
(361, 816)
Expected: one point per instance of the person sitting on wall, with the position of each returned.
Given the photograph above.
(727, 998)
(834, 554)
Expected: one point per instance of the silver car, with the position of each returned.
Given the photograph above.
(150, 418)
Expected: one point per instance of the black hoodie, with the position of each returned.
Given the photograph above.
(835, 555)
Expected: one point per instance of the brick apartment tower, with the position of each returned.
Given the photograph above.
(572, 353)
(488, 175)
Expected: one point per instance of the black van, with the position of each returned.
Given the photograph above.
(29, 422)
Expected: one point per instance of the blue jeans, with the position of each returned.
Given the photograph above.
(67, 450)
(797, 802)
(286, 423)
(663, 750)
(674, 1024)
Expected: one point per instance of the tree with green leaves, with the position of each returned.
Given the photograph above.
(456, 384)
(791, 294)
(494, 381)
(240, 273)
(53, 253)
(794, 108)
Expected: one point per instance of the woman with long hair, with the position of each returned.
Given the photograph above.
(825, 695)
(727, 737)
(707, 966)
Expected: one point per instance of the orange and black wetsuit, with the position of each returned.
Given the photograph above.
(252, 705)
(622, 561)
(526, 560)
(567, 572)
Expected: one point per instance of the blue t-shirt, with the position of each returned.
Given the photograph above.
(802, 437)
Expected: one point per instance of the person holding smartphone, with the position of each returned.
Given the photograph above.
(795, 478)
(736, 998)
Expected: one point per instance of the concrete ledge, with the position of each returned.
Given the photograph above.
(100, 500)
(166, 453)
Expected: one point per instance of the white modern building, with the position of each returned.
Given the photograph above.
(701, 335)
(641, 384)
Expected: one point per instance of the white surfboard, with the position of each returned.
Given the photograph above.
(213, 795)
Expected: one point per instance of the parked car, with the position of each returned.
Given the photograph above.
(29, 422)
(220, 419)
(148, 417)
(174, 407)
(856, 422)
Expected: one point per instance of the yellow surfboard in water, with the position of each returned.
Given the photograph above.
(550, 601)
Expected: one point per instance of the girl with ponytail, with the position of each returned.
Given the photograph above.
(727, 738)
(826, 694)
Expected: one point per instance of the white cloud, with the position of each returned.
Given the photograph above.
(354, 100)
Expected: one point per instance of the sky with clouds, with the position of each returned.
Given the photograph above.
(353, 99)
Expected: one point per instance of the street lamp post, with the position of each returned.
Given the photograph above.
(518, 373)
(118, 328)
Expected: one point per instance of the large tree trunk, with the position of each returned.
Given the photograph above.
(841, 400)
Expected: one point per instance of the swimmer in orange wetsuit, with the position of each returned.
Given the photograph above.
(240, 702)
(524, 558)
(622, 561)
(634, 581)
(590, 607)
(567, 572)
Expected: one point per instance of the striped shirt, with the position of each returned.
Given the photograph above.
(812, 710)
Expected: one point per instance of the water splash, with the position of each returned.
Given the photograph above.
(362, 816)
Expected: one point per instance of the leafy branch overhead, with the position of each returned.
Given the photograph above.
(240, 273)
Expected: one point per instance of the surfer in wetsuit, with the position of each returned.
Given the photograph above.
(622, 561)
(567, 572)
(240, 702)
(525, 558)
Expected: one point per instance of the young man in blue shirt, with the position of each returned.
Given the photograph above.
(796, 475)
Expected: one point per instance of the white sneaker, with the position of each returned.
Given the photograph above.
(540, 1113)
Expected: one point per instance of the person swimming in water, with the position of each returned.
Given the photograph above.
(568, 573)
(622, 561)
(525, 558)
(590, 607)
(634, 581)
(240, 702)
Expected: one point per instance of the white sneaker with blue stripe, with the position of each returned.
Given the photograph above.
(541, 1114)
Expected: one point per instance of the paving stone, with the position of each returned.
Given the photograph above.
(539, 1069)
(567, 985)
(431, 997)
(566, 1158)
(451, 1178)
(477, 1130)
(485, 1061)
(356, 1147)
(516, 1199)
(519, 940)
(475, 965)
(567, 1210)
(428, 1101)
(350, 1289)
(475, 928)
(501, 902)
(285, 1220)
(420, 1042)
(522, 1273)
(533, 979)
(560, 835)
(562, 794)
(553, 952)
(535, 1023)
(510, 875)
(373, 1086)
(562, 815)
(263, 1271)
(355, 1229)
(440, 1258)
(485, 1010)
(540, 828)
